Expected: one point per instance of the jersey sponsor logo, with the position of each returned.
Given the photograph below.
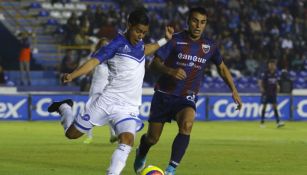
(196, 59)
(182, 43)
(224, 108)
(191, 64)
(10, 110)
(205, 48)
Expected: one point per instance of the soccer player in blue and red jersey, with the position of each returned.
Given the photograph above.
(269, 88)
(182, 63)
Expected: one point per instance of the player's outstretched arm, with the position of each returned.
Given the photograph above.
(82, 70)
(225, 74)
(153, 47)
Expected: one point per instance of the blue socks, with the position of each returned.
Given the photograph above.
(180, 144)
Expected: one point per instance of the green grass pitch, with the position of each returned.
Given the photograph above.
(216, 148)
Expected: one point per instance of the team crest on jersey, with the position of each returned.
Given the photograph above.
(126, 49)
(206, 48)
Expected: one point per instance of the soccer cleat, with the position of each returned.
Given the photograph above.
(88, 140)
(262, 125)
(139, 162)
(170, 170)
(54, 107)
(280, 124)
(113, 139)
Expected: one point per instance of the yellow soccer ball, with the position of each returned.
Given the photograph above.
(152, 170)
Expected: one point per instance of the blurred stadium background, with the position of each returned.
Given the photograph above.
(62, 33)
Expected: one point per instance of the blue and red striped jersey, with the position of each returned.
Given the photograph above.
(192, 56)
(270, 82)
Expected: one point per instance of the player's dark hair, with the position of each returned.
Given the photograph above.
(272, 61)
(138, 16)
(200, 10)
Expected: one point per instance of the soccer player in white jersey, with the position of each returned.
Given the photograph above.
(99, 82)
(119, 103)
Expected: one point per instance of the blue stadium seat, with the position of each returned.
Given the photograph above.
(35, 5)
(243, 80)
(43, 13)
(292, 73)
(218, 80)
(303, 73)
(52, 22)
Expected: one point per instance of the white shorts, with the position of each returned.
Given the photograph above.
(100, 110)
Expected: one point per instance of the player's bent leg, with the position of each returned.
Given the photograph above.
(81, 125)
(55, 106)
(154, 132)
(73, 133)
(64, 108)
(185, 119)
(126, 130)
(147, 141)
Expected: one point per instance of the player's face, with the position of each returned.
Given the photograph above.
(137, 32)
(272, 67)
(197, 24)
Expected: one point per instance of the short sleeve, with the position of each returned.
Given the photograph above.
(217, 57)
(108, 51)
(164, 51)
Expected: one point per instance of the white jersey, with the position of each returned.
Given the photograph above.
(100, 79)
(126, 65)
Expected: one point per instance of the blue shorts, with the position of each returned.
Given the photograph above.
(268, 99)
(164, 107)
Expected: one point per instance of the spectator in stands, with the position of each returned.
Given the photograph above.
(82, 39)
(183, 9)
(251, 65)
(87, 20)
(265, 28)
(24, 58)
(68, 64)
(99, 17)
(71, 29)
(297, 63)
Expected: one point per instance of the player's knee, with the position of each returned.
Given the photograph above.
(152, 140)
(73, 133)
(186, 127)
(126, 138)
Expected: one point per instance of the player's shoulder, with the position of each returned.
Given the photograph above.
(178, 35)
(118, 39)
(208, 40)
